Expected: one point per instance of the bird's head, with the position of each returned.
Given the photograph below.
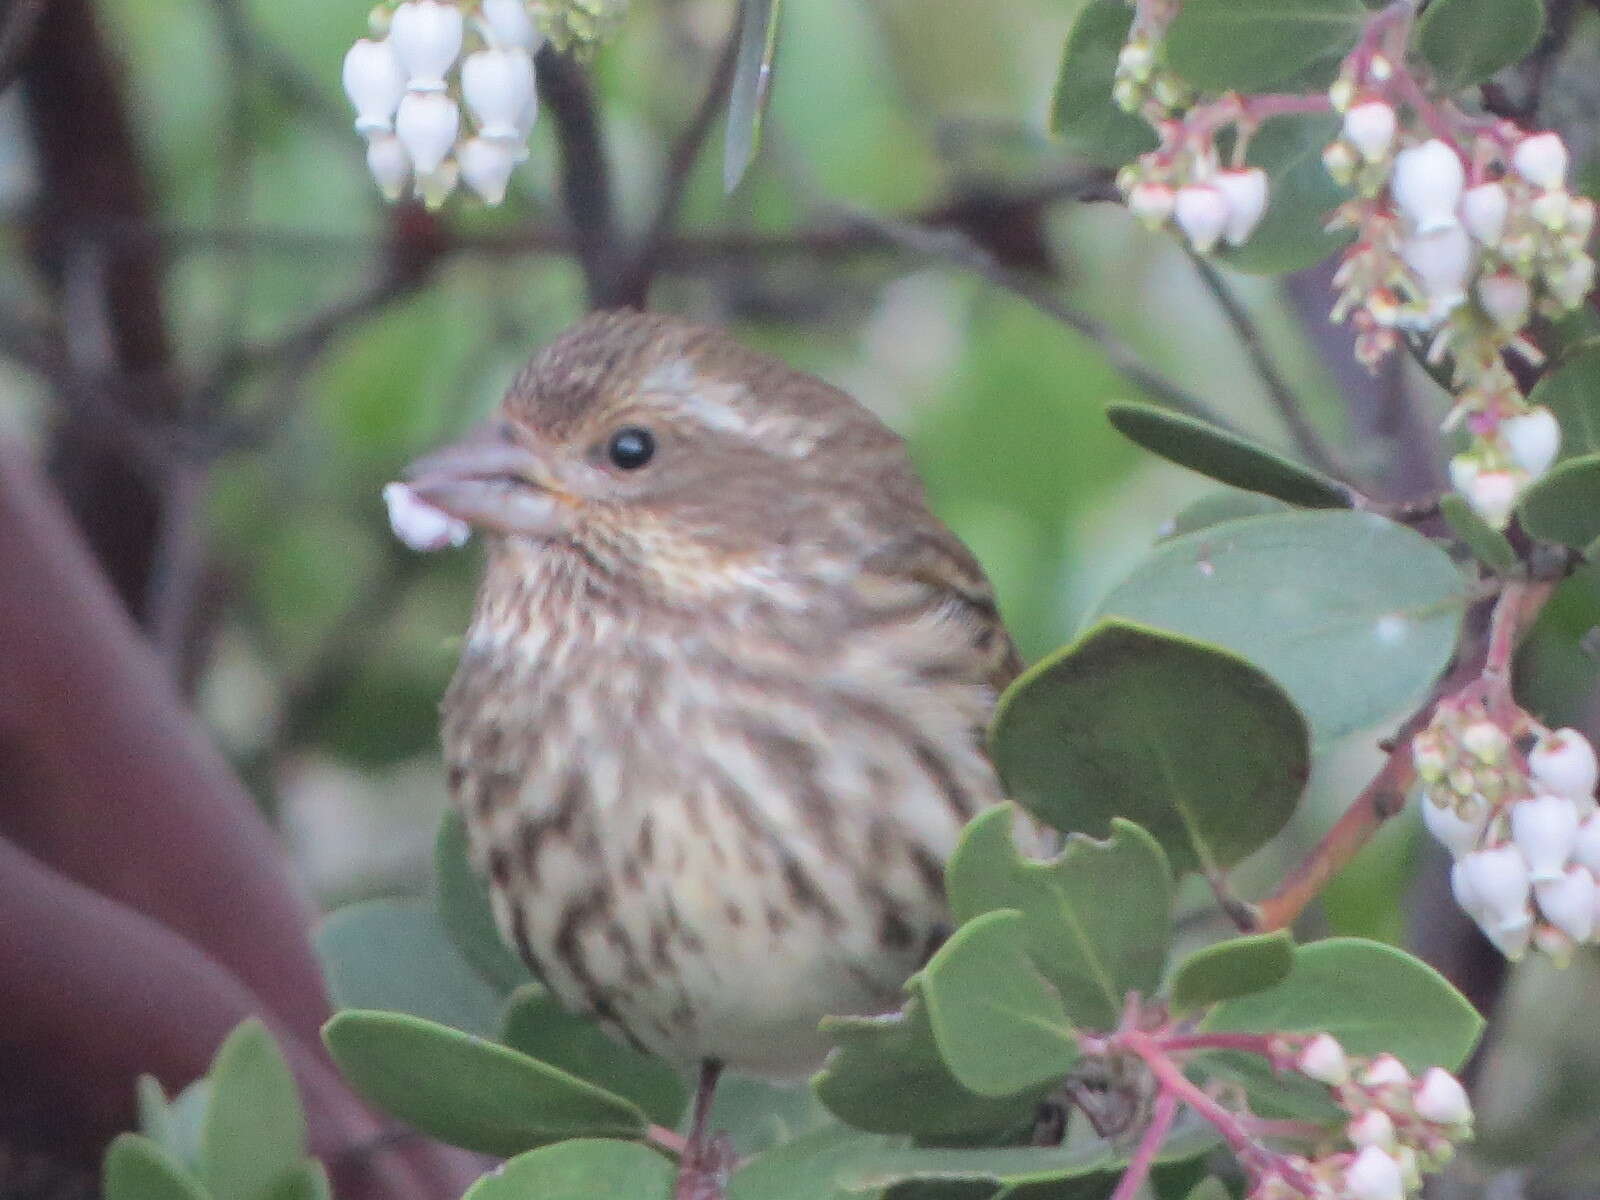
(666, 449)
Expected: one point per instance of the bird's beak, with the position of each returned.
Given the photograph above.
(493, 485)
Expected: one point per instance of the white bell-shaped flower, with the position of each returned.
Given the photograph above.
(418, 524)
(389, 163)
(435, 187)
(1572, 284)
(1426, 185)
(1586, 847)
(1513, 938)
(1533, 439)
(486, 167)
(1505, 298)
(498, 86)
(1440, 1098)
(1458, 834)
(1370, 128)
(1442, 261)
(1152, 203)
(1568, 902)
(1324, 1060)
(427, 40)
(1374, 1175)
(1386, 1071)
(375, 83)
(1492, 494)
(1496, 881)
(1246, 194)
(1372, 1128)
(1483, 211)
(1201, 211)
(1545, 829)
(508, 25)
(1485, 741)
(1580, 220)
(427, 124)
(1541, 159)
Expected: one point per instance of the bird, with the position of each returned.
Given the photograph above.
(719, 716)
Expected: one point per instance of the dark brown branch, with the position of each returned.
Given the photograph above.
(16, 35)
(585, 175)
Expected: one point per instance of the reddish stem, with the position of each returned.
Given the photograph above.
(1250, 1043)
(1166, 1108)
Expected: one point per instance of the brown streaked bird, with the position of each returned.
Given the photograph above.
(719, 714)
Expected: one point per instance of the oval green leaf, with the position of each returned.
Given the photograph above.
(308, 1181)
(581, 1169)
(1082, 111)
(462, 896)
(138, 1169)
(752, 85)
(254, 1131)
(1194, 744)
(1097, 918)
(1224, 456)
(1353, 615)
(998, 1025)
(469, 1092)
(1564, 505)
(395, 955)
(1229, 505)
(1292, 234)
(1571, 390)
(537, 1025)
(1237, 967)
(1466, 41)
(1486, 542)
(1251, 45)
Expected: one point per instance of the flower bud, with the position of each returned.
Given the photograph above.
(1135, 59)
(1552, 943)
(1541, 159)
(374, 82)
(498, 86)
(1152, 203)
(1580, 219)
(1493, 494)
(1505, 298)
(1586, 847)
(486, 167)
(1572, 284)
(1533, 439)
(1483, 212)
(1485, 741)
(1426, 185)
(1456, 833)
(427, 125)
(1429, 756)
(1568, 902)
(1246, 194)
(1372, 1128)
(389, 163)
(1340, 159)
(427, 38)
(1497, 879)
(508, 25)
(1385, 1071)
(1202, 212)
(1545, 829)
(1369, 127)
(1551, 209)
(420, 525)
(1374, 1175)
(1461, 888)
(1441, 1099)
(1442, 261)
(1323, 1059)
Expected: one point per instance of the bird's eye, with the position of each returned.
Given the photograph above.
(631, 447)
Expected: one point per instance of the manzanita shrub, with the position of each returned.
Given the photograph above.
(1174, 737)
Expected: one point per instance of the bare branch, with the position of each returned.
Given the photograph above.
(585, 175)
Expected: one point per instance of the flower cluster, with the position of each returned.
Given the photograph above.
(409, 82)
(1184, 183)
(1398, 1127)
(1525, 831)
(1142, 82)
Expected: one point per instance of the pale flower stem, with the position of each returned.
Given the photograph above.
(665, 1140)
(1166, 1109)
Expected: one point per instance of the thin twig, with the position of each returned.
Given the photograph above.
(1307, 439)
(585, 173)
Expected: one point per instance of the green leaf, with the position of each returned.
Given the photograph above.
(1096, 918)
(1466, 41)
(1353, 615)
(1484, 540)
(1571, 390)
(999, 1026)
(254, 1131)
(813, 1167)
(1564, 504)
(1224, 456)
(580, 1169)
(1251, 45)
(394, 955)
(176, 1126)
(752, 85)
(308, 1181)
(1082, 111)
(885, 1075)
(1236, 967)
(537, 1025)
(1371, 997)
(1292, 233)
(136, 1168)
(1219, 507)
(1183, 738)
(463, 900)
(469, 1092)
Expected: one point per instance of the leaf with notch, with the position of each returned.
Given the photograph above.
(1254, 45)
(1082, 111)
(1236, 967)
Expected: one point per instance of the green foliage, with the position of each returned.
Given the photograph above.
(1354, 616)
(1224, 456)
(1237, 967)
(1484, 540)
(1571, 390)
(580, 1169)
(1256, 45)
(469, 1092)
(1214, 509)
(462, 896)
(1564, 504)
(1082, 111)
(1156, 728)
(1293, 233)
(1466, 41)
(137, 1168)
(1096, 918)
(747, 102)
